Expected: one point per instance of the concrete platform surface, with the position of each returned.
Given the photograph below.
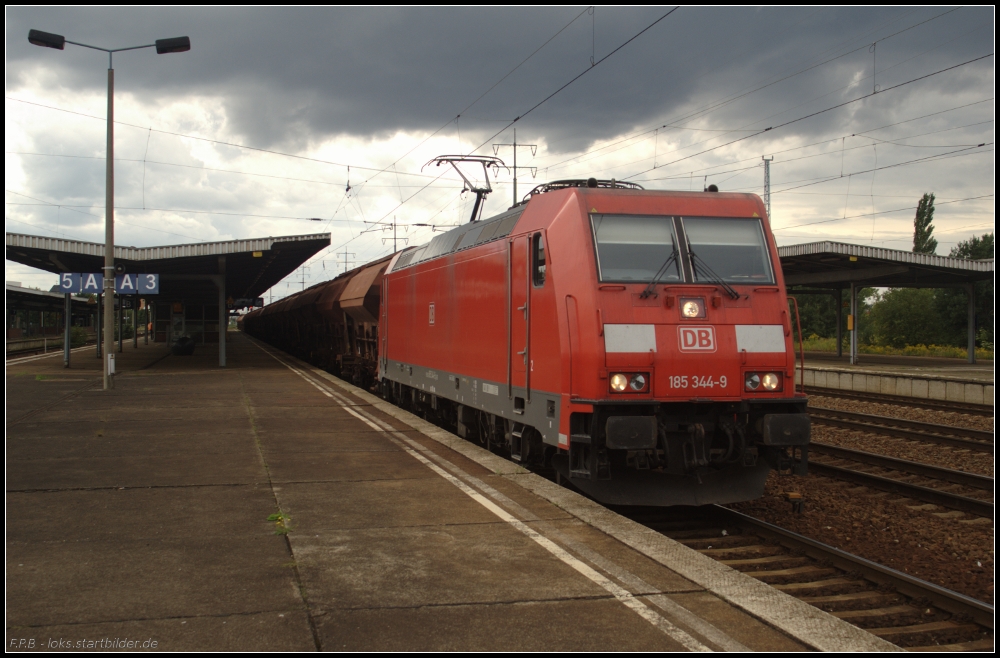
(270, 506)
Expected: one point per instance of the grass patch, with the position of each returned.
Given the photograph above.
(282, 523)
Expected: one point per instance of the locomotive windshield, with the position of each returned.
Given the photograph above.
(634, 247)
(730, 250)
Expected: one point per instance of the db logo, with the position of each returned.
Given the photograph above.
(696, 339)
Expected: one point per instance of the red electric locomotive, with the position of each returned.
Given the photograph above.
(637, 341)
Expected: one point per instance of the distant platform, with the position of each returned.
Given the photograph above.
(912, 376)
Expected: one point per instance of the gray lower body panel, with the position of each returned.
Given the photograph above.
(540, 410)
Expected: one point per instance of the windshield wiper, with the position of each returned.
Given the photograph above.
(651, 288)
(712, 276)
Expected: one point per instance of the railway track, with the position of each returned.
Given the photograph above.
(907, 611)
(957, 437)
(915, 480)
(937, 405)
(53, 348)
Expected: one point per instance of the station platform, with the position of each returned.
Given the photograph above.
(270, 506)
(919, 377)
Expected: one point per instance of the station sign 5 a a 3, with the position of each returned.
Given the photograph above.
(125, 284)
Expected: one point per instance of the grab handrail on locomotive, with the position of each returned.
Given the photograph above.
(639, 342)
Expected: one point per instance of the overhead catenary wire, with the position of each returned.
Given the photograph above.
(536, 106)
(702, 109)
(473, 103)
(957, 153)
(832, 139)
(74, 209)
(776, 113)
(937, 156)
(818, 112)
(451, 202)
(881, 212)
(189, 211)
(829, 178)
(204, 168)
(577, 77)
(806, 157)
(218, 141)
(729, 99)
(398, 185)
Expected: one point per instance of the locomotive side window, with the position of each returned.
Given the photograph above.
(636, 248)
(733, 250)
(538, 260)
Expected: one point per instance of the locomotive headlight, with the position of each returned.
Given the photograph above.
(693, 308)
(618, 382)
(638, 382)
(768, 381)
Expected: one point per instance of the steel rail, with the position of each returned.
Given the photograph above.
(949, 430)
(884, 426)
(941, 597)
(937, 405)
(913, 468)
(926, 494)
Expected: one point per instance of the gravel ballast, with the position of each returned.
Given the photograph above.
(954, 550)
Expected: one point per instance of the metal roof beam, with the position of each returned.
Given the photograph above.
(862, 275)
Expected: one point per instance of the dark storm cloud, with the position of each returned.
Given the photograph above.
(288, 77)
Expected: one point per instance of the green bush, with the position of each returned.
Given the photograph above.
(78, 336)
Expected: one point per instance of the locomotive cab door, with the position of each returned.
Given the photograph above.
(519, 312)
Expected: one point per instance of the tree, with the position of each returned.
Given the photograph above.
(952, 303)
(923, 242)
(904, 316)
(818, 314)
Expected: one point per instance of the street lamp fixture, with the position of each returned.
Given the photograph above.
(163, 46)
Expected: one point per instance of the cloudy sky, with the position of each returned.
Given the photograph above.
(275, 113)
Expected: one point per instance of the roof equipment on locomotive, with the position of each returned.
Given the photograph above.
(487, 161)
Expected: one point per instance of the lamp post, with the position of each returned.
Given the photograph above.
(163, 46)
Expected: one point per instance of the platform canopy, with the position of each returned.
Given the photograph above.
(838, 265)
(250, 266)
(20, 298)
(830, 267)
(206, 275)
